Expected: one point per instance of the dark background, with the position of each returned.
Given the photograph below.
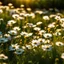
(37, 3)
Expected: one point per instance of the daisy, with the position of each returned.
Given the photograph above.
(12, 32)
(11, 22)
(29, 24)
(52, 16)
(57, 17)
(3, 40)
(18, 36)
(23, 33)
(16, 28)
(1, 19)
(47, 41)
(41, 40)
(10, 4)
(28, 34)
(28, 9)
(41, 32)
(7, 36)
(19, 51)
(15, 16)
(62, 24)
(62, 55)
(47, 35)
(21, 18)
(22, 6)
(46, 17)
(59, 43)
(37, 28)
(11, 11)
(35, 43)
(51, 25)
(39, 11)
(28, 46)
(39, 23)
(47, 47)
(13, 47)
(57, 33)
(1, 11)
(3, 57)
(62, 20)
(32, 15)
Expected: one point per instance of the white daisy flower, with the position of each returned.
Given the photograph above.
(29, 24)
(41, 32)
(52, 16)
(15, 16)
(3, 40)
(57, 33)
(8, 36)
(28, 9)
(10, 4)
(37, 28)
(57, 17)
(39, 23)
(62, 55)
(28, 34)
(47, 47)
(46, 17)
(11, 22)
(51, 25)
(59, 43)
(62, 24)
(62, 20)
(1, 11)
(39, 11)
(13, 47)
(12, 32)
(41, 40)
(19, 51)
(16, 28)
(47, 35)
(28, 46)
(21, 5)
(23, 33)
(35, 43)
(3, 57)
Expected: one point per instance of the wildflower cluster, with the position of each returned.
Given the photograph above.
(30, 36)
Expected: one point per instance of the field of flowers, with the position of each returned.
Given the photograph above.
(31, 36)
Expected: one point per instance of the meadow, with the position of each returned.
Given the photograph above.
(31, 36)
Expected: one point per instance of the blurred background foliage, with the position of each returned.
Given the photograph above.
(37, 3)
